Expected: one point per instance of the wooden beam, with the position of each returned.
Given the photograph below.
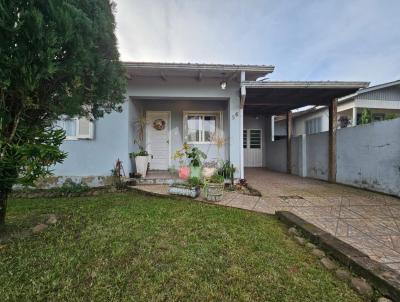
(289, 124)
(332, 140)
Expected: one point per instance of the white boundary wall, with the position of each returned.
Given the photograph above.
(368, 156)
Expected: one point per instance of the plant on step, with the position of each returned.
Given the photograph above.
(57, 58)
(141, 152)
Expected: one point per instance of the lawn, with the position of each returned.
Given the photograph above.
(130, 247)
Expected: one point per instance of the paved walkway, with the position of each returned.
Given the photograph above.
(368, 221)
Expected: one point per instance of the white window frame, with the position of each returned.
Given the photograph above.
(248, 139)
(219, 125)
(77, 136)
(317, 120)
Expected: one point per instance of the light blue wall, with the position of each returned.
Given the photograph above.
(115, 133)
(177, 108)
(96, 157)
(195, 92)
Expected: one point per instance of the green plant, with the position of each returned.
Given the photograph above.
(57, 58)
(194, 182)
(141, 152)
(117, 172)
(228, 171)
(196, 156)
(216, 179)
(390, 116)
(366, 116)
(69, 186)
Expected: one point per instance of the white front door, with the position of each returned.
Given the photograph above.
(157, 137)
(252, 148)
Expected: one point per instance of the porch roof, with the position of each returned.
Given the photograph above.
(278, 97)
(195, 70)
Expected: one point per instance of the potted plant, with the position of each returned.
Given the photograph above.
(214, 188)
(228, 170)
(190, 188)
(196, 156)
(209, 169)
(141, 160)
(180, 155)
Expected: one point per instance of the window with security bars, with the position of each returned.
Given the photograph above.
(252, 138)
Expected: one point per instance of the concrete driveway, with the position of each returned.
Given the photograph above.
(368, 221)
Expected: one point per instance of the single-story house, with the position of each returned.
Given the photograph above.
(382, 100)
(193, 103)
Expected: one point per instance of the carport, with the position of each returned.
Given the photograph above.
(280, 97)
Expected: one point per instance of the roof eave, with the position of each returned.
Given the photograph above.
(194, 66)
(307, 84)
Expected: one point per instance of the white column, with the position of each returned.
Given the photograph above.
(241, 145)
(354, 121)
(304, 155)
(272, 128)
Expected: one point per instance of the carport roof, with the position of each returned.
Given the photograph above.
(278, 97)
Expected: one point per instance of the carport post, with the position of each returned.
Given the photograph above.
(289, 123)
(332, 140)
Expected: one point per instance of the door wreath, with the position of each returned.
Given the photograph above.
(159, 124)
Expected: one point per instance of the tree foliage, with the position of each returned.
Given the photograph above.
(56, 57)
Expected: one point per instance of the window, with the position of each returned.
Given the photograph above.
(201, 127)
(313, 125)
(76, 128)
(255, 139)
(252, 138)
(378, 117)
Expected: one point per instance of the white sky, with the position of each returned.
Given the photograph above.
(304, 39)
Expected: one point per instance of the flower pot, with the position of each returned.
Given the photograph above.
(184, 173)
(208, 172)
(214, 191)
(195, 171)
(192, 192)
(141, 165)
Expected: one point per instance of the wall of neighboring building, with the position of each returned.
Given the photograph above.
(299, 123)
(368, 156)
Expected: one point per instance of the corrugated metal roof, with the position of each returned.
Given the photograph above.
(369, 89)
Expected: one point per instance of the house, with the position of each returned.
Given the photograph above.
(382, 100)
(193, 103)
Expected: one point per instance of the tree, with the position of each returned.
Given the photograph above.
(366, 116)
(56, 57)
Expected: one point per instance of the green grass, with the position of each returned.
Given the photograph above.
(130, 247)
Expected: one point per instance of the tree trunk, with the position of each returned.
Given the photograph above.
(3, 206)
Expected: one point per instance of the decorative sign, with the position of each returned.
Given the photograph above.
(159, 124)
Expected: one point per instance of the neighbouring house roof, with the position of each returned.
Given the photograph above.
(197, 70)
(369, 89)
(278, 97)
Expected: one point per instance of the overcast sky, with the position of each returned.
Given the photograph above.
(303, 39)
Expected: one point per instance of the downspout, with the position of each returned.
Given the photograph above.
(242, 101)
